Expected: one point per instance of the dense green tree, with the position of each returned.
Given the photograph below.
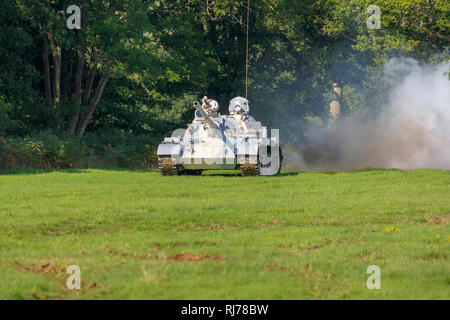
(418, 28)
(135, 66)
(115, 41)
(19, 75)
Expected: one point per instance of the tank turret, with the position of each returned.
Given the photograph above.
(239, 105)
(203, 113)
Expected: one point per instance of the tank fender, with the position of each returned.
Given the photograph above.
(169, 149)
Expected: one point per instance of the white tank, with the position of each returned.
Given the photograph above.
(221, 142)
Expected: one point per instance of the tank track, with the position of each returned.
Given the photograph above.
(192, 172)
(167, 167)
(249, 169)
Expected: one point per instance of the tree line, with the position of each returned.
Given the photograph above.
(134, 67)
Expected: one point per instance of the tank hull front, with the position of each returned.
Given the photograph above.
(208, 156)
(209, 163)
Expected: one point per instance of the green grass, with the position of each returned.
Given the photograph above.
(295, 236)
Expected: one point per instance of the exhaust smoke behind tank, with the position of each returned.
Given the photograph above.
(412, 131)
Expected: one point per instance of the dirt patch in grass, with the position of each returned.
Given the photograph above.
(273, 267)
(43, 269)
(221, 227)
(143, 256)
(186, 256)
(156, 255)
(445, 219)
(54, 272)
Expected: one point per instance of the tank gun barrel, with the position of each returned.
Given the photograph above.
(208, 119)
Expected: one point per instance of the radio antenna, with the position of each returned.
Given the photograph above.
(246, 50)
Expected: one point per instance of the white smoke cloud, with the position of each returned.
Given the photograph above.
(411, 132)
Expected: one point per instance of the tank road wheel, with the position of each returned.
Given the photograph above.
(167, 167)
(249, 169)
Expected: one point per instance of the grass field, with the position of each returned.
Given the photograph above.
(137, 235)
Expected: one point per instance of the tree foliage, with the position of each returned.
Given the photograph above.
(135, 66)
